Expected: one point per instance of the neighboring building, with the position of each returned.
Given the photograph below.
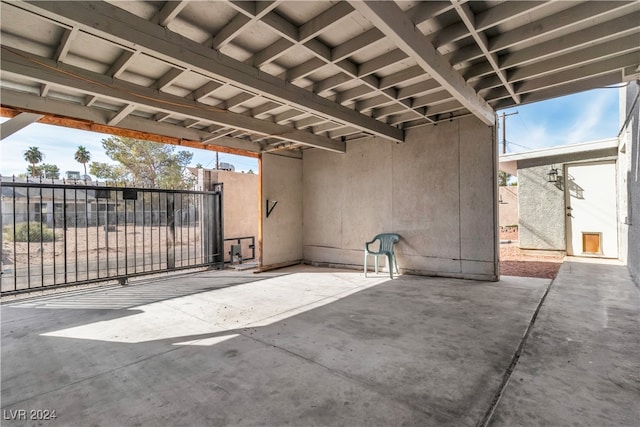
(21, 204)
(567, 198)
(76, 176)
(581, 199)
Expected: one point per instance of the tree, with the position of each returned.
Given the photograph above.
(503, 178)
(144, 163)
(83, 156)
(112, 174)
(34, 156)
(48, 171)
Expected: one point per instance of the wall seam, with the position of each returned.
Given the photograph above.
(459, 197)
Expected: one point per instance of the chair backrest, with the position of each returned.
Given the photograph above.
(387, 240)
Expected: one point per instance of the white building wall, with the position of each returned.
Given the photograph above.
(437, 190)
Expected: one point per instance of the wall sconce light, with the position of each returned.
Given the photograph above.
(552, 175)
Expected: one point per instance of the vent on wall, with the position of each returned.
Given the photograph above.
(591, 243)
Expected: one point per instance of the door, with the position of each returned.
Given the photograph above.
(590, 191)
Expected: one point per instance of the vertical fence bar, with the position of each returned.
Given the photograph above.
(53, 223)
(135, 222)
(75, 228)
(97, 219)
(126, 239)
(171, 232)
(151, 230)
(86, 230)
(144, 237)
(64, 225)
(41, 242)
(28, 241)
(117, 235)
(106, 232)
(159, 245)
(203, 235)
(15, 253)
(189, 230)
(181, 230)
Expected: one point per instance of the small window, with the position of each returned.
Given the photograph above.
(592, 243)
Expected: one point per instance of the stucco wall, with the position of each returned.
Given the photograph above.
(541, 222)
(437, 191)
(632, 133)
(282, 231)
(508, 205)
(240, 203)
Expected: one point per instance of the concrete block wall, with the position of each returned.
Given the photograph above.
(541, 207)
(282, 230)
(437, 190)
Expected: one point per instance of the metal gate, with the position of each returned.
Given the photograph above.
(56, 234)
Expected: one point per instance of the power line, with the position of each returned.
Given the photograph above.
(504, 130)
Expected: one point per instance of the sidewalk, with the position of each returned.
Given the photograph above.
(581, 362)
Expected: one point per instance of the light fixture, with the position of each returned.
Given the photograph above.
(552, 175)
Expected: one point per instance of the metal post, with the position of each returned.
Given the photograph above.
(171, 236)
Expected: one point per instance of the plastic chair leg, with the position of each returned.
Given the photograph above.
(376, 264)
(365, 264)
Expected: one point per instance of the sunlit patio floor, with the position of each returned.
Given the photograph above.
(300, 346)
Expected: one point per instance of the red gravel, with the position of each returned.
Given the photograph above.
(515, 262)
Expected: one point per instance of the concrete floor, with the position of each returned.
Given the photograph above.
(310, 346)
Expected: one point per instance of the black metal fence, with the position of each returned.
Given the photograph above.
(58, 234)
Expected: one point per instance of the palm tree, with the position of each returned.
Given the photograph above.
(83, 156)
(34, 156)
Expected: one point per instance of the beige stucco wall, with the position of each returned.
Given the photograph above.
(240, 203)
(437, 190)
(508, 205)
(282, 231)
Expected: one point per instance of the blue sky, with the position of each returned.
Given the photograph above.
(59, 144)
(582, 117)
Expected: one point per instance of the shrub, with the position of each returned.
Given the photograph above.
(30, 232)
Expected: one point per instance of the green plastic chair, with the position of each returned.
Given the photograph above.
(387, 240)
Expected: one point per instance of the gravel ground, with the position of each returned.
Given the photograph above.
(515, 262)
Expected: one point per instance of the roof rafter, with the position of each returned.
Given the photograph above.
(126, 29)
(17, 123)
(467, 16)
(388, 17)
(45, 70)
(168, 12)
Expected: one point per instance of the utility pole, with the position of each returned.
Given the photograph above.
(217, 162)
(504, 131)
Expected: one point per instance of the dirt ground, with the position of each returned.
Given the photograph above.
(515, 262)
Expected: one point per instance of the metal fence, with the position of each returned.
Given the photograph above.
(239, 249)
(58, 234)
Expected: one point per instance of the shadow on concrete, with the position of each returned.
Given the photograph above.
(409, 351)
